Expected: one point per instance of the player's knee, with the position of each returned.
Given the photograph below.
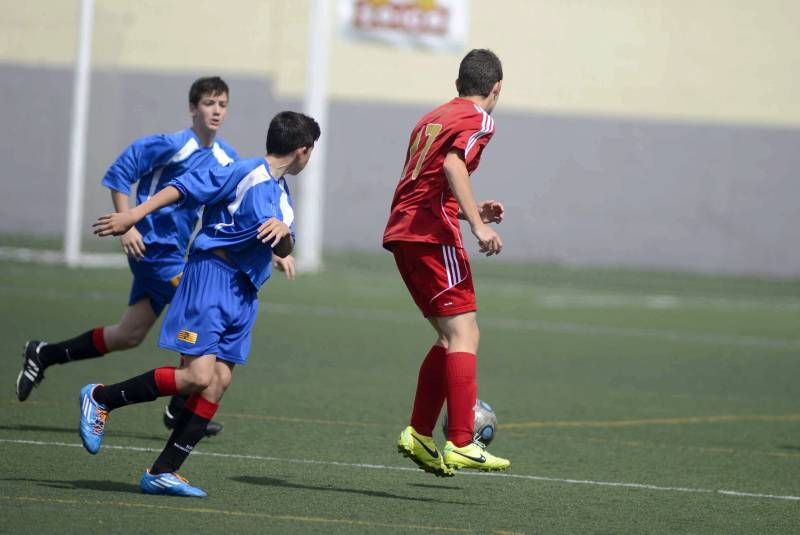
(199, 380)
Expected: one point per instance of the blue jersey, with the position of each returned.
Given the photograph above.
(152, 162)
(238, 199)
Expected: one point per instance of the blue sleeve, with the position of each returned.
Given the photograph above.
(209, 186)
(141, 157)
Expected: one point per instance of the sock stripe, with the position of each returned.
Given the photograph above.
(201, 406)
(165, 381)
(99, 340)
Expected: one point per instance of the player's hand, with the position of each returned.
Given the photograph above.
(272, 231)
(115, 224)
(491, 211)
(285, 264)
(489, 240)
(133, 244)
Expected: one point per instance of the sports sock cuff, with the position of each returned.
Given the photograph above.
(461, 364)
(201, 406)
(99, 340)
(165, 381)
(438, 351)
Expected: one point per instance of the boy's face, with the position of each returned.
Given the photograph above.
(302, 155)
(209, 113)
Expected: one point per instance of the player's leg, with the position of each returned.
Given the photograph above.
(460, 450)
(97, 400)
(418, 265)
(132, 329)
(189, 429)
(129, 332)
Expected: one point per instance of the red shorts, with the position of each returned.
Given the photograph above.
(438, 277)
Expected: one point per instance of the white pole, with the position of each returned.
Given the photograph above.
(311, 184)
(77, 152)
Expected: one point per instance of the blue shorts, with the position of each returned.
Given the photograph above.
(213, 311)
(159, 291)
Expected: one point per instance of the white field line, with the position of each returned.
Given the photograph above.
(548, 296)
(657, 302)
(45, 256)
(507, 324)
(512, 324)
(634, 486)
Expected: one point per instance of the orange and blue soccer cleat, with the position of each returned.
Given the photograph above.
(169, 484)
(473, 456)
(423, 451)
(93, 419)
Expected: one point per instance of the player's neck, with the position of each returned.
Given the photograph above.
(278, 164)
(481, 101)
(206, 137)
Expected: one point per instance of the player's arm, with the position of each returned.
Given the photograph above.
(119, 223)
(132, 242)
(286, 265)
(491, 211)
(455, 169)
(278, 235)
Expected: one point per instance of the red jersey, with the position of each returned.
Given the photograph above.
(424, 209)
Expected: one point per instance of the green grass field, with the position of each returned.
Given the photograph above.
(629, 402)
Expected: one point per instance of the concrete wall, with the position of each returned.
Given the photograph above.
(662, 134)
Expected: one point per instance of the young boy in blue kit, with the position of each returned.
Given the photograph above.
(156, 246)
(248, 216)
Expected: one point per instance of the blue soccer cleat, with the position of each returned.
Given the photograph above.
(93, 419)
(170, 484)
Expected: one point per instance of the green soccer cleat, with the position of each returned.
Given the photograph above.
(473, 456)
(422, 450)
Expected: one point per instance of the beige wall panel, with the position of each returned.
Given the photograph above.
(715, 60)
(38, 32)
(175, 35)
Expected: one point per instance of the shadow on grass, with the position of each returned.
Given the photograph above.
(276, 482)
(789, 447)
(83, 484)
(74, 431)
(435, 487)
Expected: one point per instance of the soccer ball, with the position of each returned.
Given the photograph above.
(485, 423)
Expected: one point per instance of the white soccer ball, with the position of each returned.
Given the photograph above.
(485, 423)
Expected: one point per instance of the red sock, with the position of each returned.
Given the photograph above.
(462, 392)
(165, 381)
(201, 406)
(431, 392)
(99, 340)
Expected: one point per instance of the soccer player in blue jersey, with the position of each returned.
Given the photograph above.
(156, 246)
(248, 217)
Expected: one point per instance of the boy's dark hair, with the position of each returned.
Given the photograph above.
(290, 130)
(479, 71)
(210, 85)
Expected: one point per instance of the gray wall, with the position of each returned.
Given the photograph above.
(578, 190)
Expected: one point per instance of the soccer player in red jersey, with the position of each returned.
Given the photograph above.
(423, 234)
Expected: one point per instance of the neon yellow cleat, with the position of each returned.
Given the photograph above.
(473, 456)
(422, 450)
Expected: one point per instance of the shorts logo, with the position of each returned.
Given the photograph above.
(176, 279)
(187, 336)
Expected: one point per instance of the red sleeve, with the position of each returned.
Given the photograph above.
(474, 133)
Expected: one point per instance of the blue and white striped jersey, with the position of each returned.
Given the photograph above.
(151, 162)
(238, 199)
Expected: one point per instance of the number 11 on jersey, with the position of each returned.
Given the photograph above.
(431, 131)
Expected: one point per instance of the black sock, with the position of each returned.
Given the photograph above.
(78, 348)
(189, 429)
(176, 404)
(136, 390)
